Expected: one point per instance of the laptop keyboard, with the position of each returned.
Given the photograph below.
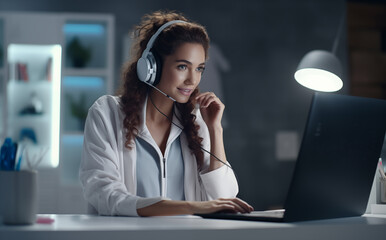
(270, 213)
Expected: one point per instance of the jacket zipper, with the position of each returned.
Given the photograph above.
(163, 191)
(164, 172)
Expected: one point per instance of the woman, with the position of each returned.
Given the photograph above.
(142, 151)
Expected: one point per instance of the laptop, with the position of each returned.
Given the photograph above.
(337, 160)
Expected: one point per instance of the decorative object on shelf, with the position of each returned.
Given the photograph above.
(78, 109)
(35, 107)
(78, 54)
(28, 133)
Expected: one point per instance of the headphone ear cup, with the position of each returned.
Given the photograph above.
(144, 70)
(158, 63)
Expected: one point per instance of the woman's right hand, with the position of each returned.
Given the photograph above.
(222, 204)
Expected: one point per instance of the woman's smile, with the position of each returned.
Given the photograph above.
(185, 91)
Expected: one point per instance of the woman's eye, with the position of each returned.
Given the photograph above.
(181, 67)
(201, 69)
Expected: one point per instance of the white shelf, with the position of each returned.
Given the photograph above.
(40, 62)
(27, 118)
(35, 84)
(17, 101)
(38, 124)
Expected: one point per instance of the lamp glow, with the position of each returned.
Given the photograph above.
(320, 70)
(318, 79)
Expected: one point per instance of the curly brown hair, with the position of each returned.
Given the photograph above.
(133, 91)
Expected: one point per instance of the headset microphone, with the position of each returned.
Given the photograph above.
(161, 92)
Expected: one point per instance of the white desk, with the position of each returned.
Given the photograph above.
(73, 227)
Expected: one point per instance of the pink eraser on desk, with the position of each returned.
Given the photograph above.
(44, 220)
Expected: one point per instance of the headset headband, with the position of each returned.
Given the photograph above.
(154, 37)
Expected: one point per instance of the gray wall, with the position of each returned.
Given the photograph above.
(264, 41)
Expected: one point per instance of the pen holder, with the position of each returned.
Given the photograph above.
(18, 200)
(382, 188)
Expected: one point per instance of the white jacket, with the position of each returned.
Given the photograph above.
(108, 168)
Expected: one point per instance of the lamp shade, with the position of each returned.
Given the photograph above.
(320, 70)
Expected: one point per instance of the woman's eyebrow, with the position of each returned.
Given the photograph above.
(187, 62)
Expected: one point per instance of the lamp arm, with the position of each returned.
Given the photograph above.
(337, 38)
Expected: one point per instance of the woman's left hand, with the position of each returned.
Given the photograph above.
(212, 109)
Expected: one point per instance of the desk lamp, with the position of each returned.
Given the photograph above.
(321, 70)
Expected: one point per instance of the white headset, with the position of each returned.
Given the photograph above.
(147, 64)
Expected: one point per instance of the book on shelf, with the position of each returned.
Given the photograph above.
(49, 69)
(21, 72)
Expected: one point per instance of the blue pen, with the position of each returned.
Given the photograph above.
(4, 159)
(13, 156)
(8, 155)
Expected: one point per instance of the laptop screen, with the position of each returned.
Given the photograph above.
(336, 164)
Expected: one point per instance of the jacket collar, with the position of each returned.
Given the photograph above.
(144, 132)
